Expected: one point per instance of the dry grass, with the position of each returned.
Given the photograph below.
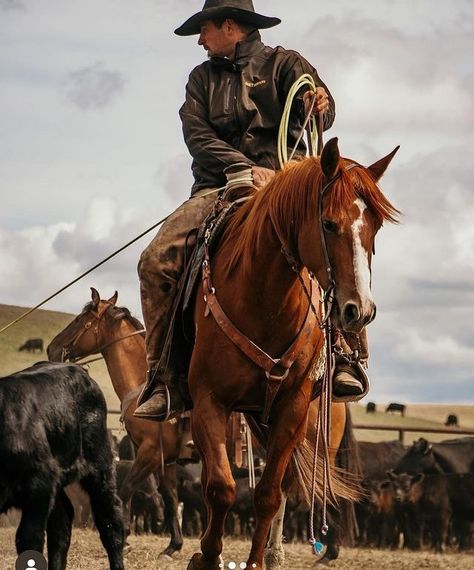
(86, 553)
(417, 416)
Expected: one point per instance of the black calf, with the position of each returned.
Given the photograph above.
(53, 433)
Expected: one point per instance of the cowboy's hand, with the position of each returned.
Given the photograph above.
(262, 176)
(321, 104)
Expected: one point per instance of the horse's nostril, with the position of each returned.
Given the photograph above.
(350, 313)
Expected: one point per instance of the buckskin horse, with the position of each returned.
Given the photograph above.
(103, 327)
(317, 217)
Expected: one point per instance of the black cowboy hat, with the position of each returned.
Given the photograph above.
(239, 10)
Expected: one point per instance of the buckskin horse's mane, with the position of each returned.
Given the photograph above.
(291, 195)
(118, 313)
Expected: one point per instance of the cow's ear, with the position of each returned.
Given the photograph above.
(95, 297)
(113, 299)
(391, 474)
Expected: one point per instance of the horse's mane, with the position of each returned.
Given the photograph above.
(293, 195)
(119, 313)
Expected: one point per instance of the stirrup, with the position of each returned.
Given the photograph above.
(159, 417)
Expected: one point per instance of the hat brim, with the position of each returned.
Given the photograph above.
(192, 26)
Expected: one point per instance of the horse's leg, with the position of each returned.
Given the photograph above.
(148, 461)
(168, 488)
(59, 531)
(209, 433)
(287, 429)
(274, 552)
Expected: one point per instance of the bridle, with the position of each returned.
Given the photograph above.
(93, 323)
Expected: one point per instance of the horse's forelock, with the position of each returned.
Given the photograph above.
(359, 183)
(87, 307)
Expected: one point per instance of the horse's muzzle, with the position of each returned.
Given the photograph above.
(56, 354)
(354, 318)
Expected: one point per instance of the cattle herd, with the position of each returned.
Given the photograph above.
(421, 496)
(61, 467)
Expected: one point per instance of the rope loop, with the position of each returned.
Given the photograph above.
(282, 145)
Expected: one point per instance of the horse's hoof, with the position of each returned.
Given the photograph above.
(197, 563)
(165, 556)
(194, 561)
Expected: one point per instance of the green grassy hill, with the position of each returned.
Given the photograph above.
(47, 324)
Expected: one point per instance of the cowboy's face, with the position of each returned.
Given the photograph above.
(218, 41)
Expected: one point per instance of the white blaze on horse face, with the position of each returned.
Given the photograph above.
(361, 259)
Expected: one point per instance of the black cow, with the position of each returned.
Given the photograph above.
(394, 407)
(371, 408)
(378, 458)
(53, 433)
(451, 456)
(32, 344)
(452, 420)
(426, 507)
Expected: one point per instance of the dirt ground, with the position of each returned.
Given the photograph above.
(86, 553)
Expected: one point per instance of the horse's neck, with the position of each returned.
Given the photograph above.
(125, 359)
(269, 288)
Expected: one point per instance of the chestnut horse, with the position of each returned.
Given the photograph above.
(319, 217)
(119, 337)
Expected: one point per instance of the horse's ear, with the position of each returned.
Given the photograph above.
(95, 296)
(330, 158)
(378, 168)
(113, 299)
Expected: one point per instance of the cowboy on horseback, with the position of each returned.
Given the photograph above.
(231, 117)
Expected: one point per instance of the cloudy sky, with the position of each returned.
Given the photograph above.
(91, 154)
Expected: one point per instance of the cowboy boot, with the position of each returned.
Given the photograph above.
(160, 402)
(350, 381)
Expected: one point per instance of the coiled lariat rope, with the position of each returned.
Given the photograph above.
(305, 80)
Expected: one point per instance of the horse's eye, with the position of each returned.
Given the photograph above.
(330, 226)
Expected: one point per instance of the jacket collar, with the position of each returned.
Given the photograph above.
(244, 51)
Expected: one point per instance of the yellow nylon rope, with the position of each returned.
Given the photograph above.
(282, 144)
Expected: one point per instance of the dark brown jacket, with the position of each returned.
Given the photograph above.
(233, 109)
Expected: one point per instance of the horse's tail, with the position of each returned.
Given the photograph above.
(345, 476)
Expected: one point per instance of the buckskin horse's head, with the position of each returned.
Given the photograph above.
(351, 209)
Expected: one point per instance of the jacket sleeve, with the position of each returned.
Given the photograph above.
(204, 144)
(293, 66)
